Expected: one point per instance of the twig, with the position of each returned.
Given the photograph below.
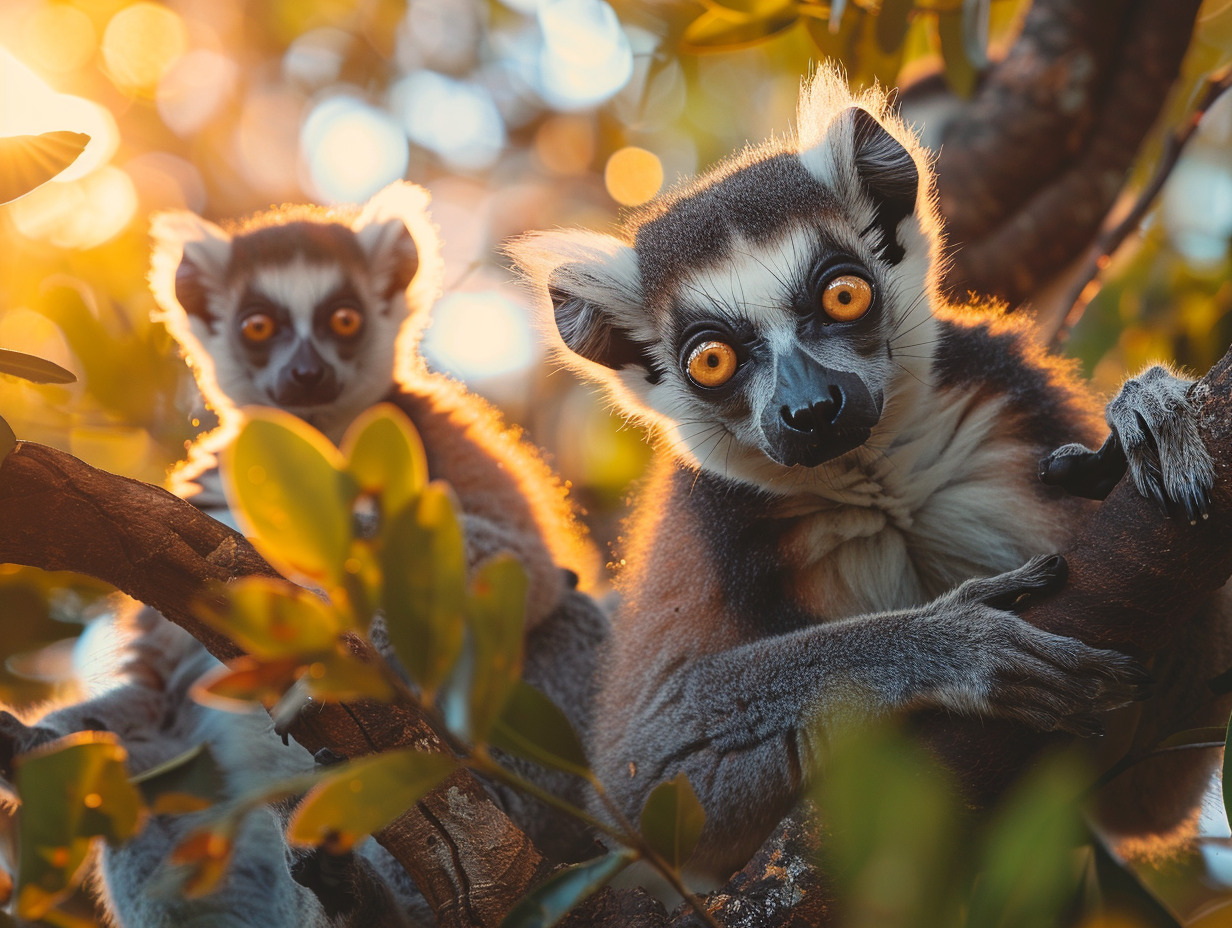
(1084, 288)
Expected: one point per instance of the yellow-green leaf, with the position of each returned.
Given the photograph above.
(893, 21)
(386, 457)
(339, 676)
(551, 900)
(29, 161)
(423, 561)
(672, 820)
(31, 368)
(960, 71)
(287, 485)
(274, 619)
(491, 662)
(72, 791)
(532, 726)
(365, 795)
(247, 680)
(206, 854)
(186, 783)
(717, 30)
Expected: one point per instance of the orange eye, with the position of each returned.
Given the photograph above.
(258, 327)
(346, 321)
(712, 364)
(847, 297)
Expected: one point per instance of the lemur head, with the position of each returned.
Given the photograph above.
(305, 308)
(761, 316)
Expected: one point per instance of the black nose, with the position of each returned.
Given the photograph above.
(308, 375)
(817, 416)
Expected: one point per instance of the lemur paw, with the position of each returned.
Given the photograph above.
(1021, 672)
(1154, 436)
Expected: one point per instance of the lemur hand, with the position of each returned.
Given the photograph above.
(1155, 437)
(1010, 668)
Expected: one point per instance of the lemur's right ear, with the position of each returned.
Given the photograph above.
(595, 288)
(200, 252)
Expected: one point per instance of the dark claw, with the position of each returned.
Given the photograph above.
(326, 757)
(1091, 475)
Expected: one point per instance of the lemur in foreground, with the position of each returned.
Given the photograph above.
(846, 499)
(318, 311)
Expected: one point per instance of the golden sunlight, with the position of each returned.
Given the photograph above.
(141, 43)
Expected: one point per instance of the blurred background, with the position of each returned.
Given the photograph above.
(516, 115)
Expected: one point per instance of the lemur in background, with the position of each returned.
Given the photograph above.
(319, 311)
(845, 505)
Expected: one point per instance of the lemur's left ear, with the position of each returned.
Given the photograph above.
(594, 285)
(888, 173)
(194, 253)
(401, 243)
(392, 256)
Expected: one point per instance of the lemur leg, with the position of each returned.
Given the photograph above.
(1160, 795)
(1154, 435)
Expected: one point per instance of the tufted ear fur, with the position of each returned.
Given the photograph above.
(888, 173)
(594, 285)
(402, 246)
(393, 259)
(199, 252)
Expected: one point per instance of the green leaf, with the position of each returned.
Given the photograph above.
(186, 783)
(718, 30)
(273, 619)
(365, 795)
(551, 900)
(386, 457)
(340, 676)
(423, 561)
(35, 370)
(1027, 876)
(856, 45)
(892, 24)
(889, 811)
(960, 70)
(71, 791)
(672, 820)
(29, 161)
(8, 440)
(492, 659)
(532, 726)
(286, 483)
(1193, 736)
(1227, 773)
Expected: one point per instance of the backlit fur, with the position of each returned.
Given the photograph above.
(766, 599)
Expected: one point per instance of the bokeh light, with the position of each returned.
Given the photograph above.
(479, 334)
(29, 106)
(455, 119)
(140, 44)
(81, 214)
(352, 149)
(586, 56)
(633, 175)
(194, 88)
(566, 144)
(57, 37)
(266, 143)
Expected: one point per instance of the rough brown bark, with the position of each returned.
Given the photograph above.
(1033, 163)
(58, 513)
(1135, 577)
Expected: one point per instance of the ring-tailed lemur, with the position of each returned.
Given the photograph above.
(845, 504)
(319, 311)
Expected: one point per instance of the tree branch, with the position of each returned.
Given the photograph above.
(59, 513)
(1029, 168)
(1136, 577)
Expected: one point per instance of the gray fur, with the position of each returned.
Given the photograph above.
(773, 593)
(297, 263)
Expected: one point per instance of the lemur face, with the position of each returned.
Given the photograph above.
(298, 308)
(767, 316)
